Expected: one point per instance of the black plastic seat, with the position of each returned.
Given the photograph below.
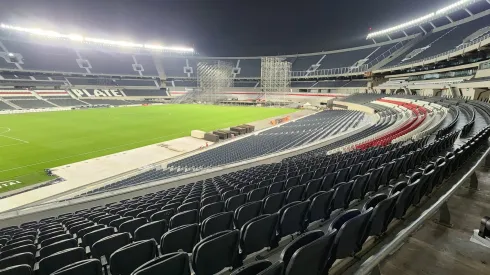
(153, 230)
(107, 220)
(50, 234)
(319, 208)
(215, 252)
(374, 179)
(328, 181)
(60, 259)
(147, 214)
(25, 258)
(169, 264)
(276, 187)
(89, 229)
(229, 194)
(187, 217)
(128, 258)
(180, 238)
(342, 195)
(292, 219)
(341, 176)
(256, 194)
(85, 267)
(103, 248)
(234, 202)
(256, 234)
(308, 253)
(291, 182)
(131, 225)
(359, 188)
(211, 209)
(217, 223)
(90, 238)
(30, 248)
(350, 227)
(17, 270)
(133, 213)
(246, 212)
(253, 268)
(117, 222)
(188, 206)
(163, 215)
(273, 202)
(211, 199)
(312, 187)
(56, 247)
(295, 193)
(16, 244)
(382, 214)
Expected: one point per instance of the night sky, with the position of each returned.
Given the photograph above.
(221, 27)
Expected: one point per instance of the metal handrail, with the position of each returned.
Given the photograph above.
(372, 262)
(462, 47)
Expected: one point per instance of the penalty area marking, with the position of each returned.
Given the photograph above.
(6, 130)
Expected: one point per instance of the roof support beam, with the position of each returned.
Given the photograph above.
(407, 34)
(488, 1)
(434, 26)
(374, 40)
(468, 11)
(422, 29)
(449, 18)
(389, 37)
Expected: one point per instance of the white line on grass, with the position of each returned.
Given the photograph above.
(6, 131)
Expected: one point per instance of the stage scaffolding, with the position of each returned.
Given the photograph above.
(275, 79)
(213, 77)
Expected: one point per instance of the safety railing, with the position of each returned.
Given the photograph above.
(330, 72)
(371, 265)
(387, 53)
(446, 53)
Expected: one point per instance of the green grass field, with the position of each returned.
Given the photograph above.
(31, 142)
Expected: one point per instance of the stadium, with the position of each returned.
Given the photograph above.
(120, 157)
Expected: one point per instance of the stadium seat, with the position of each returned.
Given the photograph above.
(60, 259)
(383, 211)
(256, 234)
(187, 217)
(246, 212)
(215, 252)
(180, 238)
(30, 248)
(153, 230)
(25, 258)
(131, 225)
(56, 247)
(17, 270)
(294, 193)
(169, 264)
(84, 267)
(273, 202)
(292, 219)
(90, 238)
(216, 223)
(129, 257)
(163, 215)
(256, 194)
(211, 209)
(319, 208)
(188, 206)
(103, 248)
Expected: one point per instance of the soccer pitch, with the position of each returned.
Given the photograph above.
(31, 142)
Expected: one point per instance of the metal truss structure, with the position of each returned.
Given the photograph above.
(213, 77)
(275, 78)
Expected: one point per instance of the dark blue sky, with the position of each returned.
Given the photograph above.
(222, 27)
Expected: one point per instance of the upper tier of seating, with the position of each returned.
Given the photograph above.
(442, 40)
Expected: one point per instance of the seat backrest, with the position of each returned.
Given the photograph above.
(276, 187)
(20, 249)
(117, 222)
(89, 229)
(256, 194)
(382, 214)
(292, 218)
(398, 187)
(49, 234)
(163, 215)
(131, 225)
(103, 248)
(153, 230)
(228, 194)
(25, 258)
(311, 257)
(252, 268)
(169, 264)
(211, 209)
(217, 223)
(187, 217)
(373, 201)
(320, 206)
(16, 244)
(215, 252)
(188, 206)
(328, 181)
(85, 267)
(107, 220)
(17, 270)
(258, 233)
(295, 193)
(129, 257)
(60, 259)
(291, 182)
(246, 212)
(56, 247)
(90, 238)
(312, 187)
(302, 240)
(234, 202)
(273, 202)
(183, 237)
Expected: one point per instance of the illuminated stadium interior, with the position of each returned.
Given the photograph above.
(128, 156)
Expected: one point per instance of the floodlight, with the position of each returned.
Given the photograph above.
(11, 54)
(165, 48)
(453, 6)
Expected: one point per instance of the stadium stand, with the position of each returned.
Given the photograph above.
(145, 93)
(105, 62)
(31, 103)
(114, 102)
(135, 82)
